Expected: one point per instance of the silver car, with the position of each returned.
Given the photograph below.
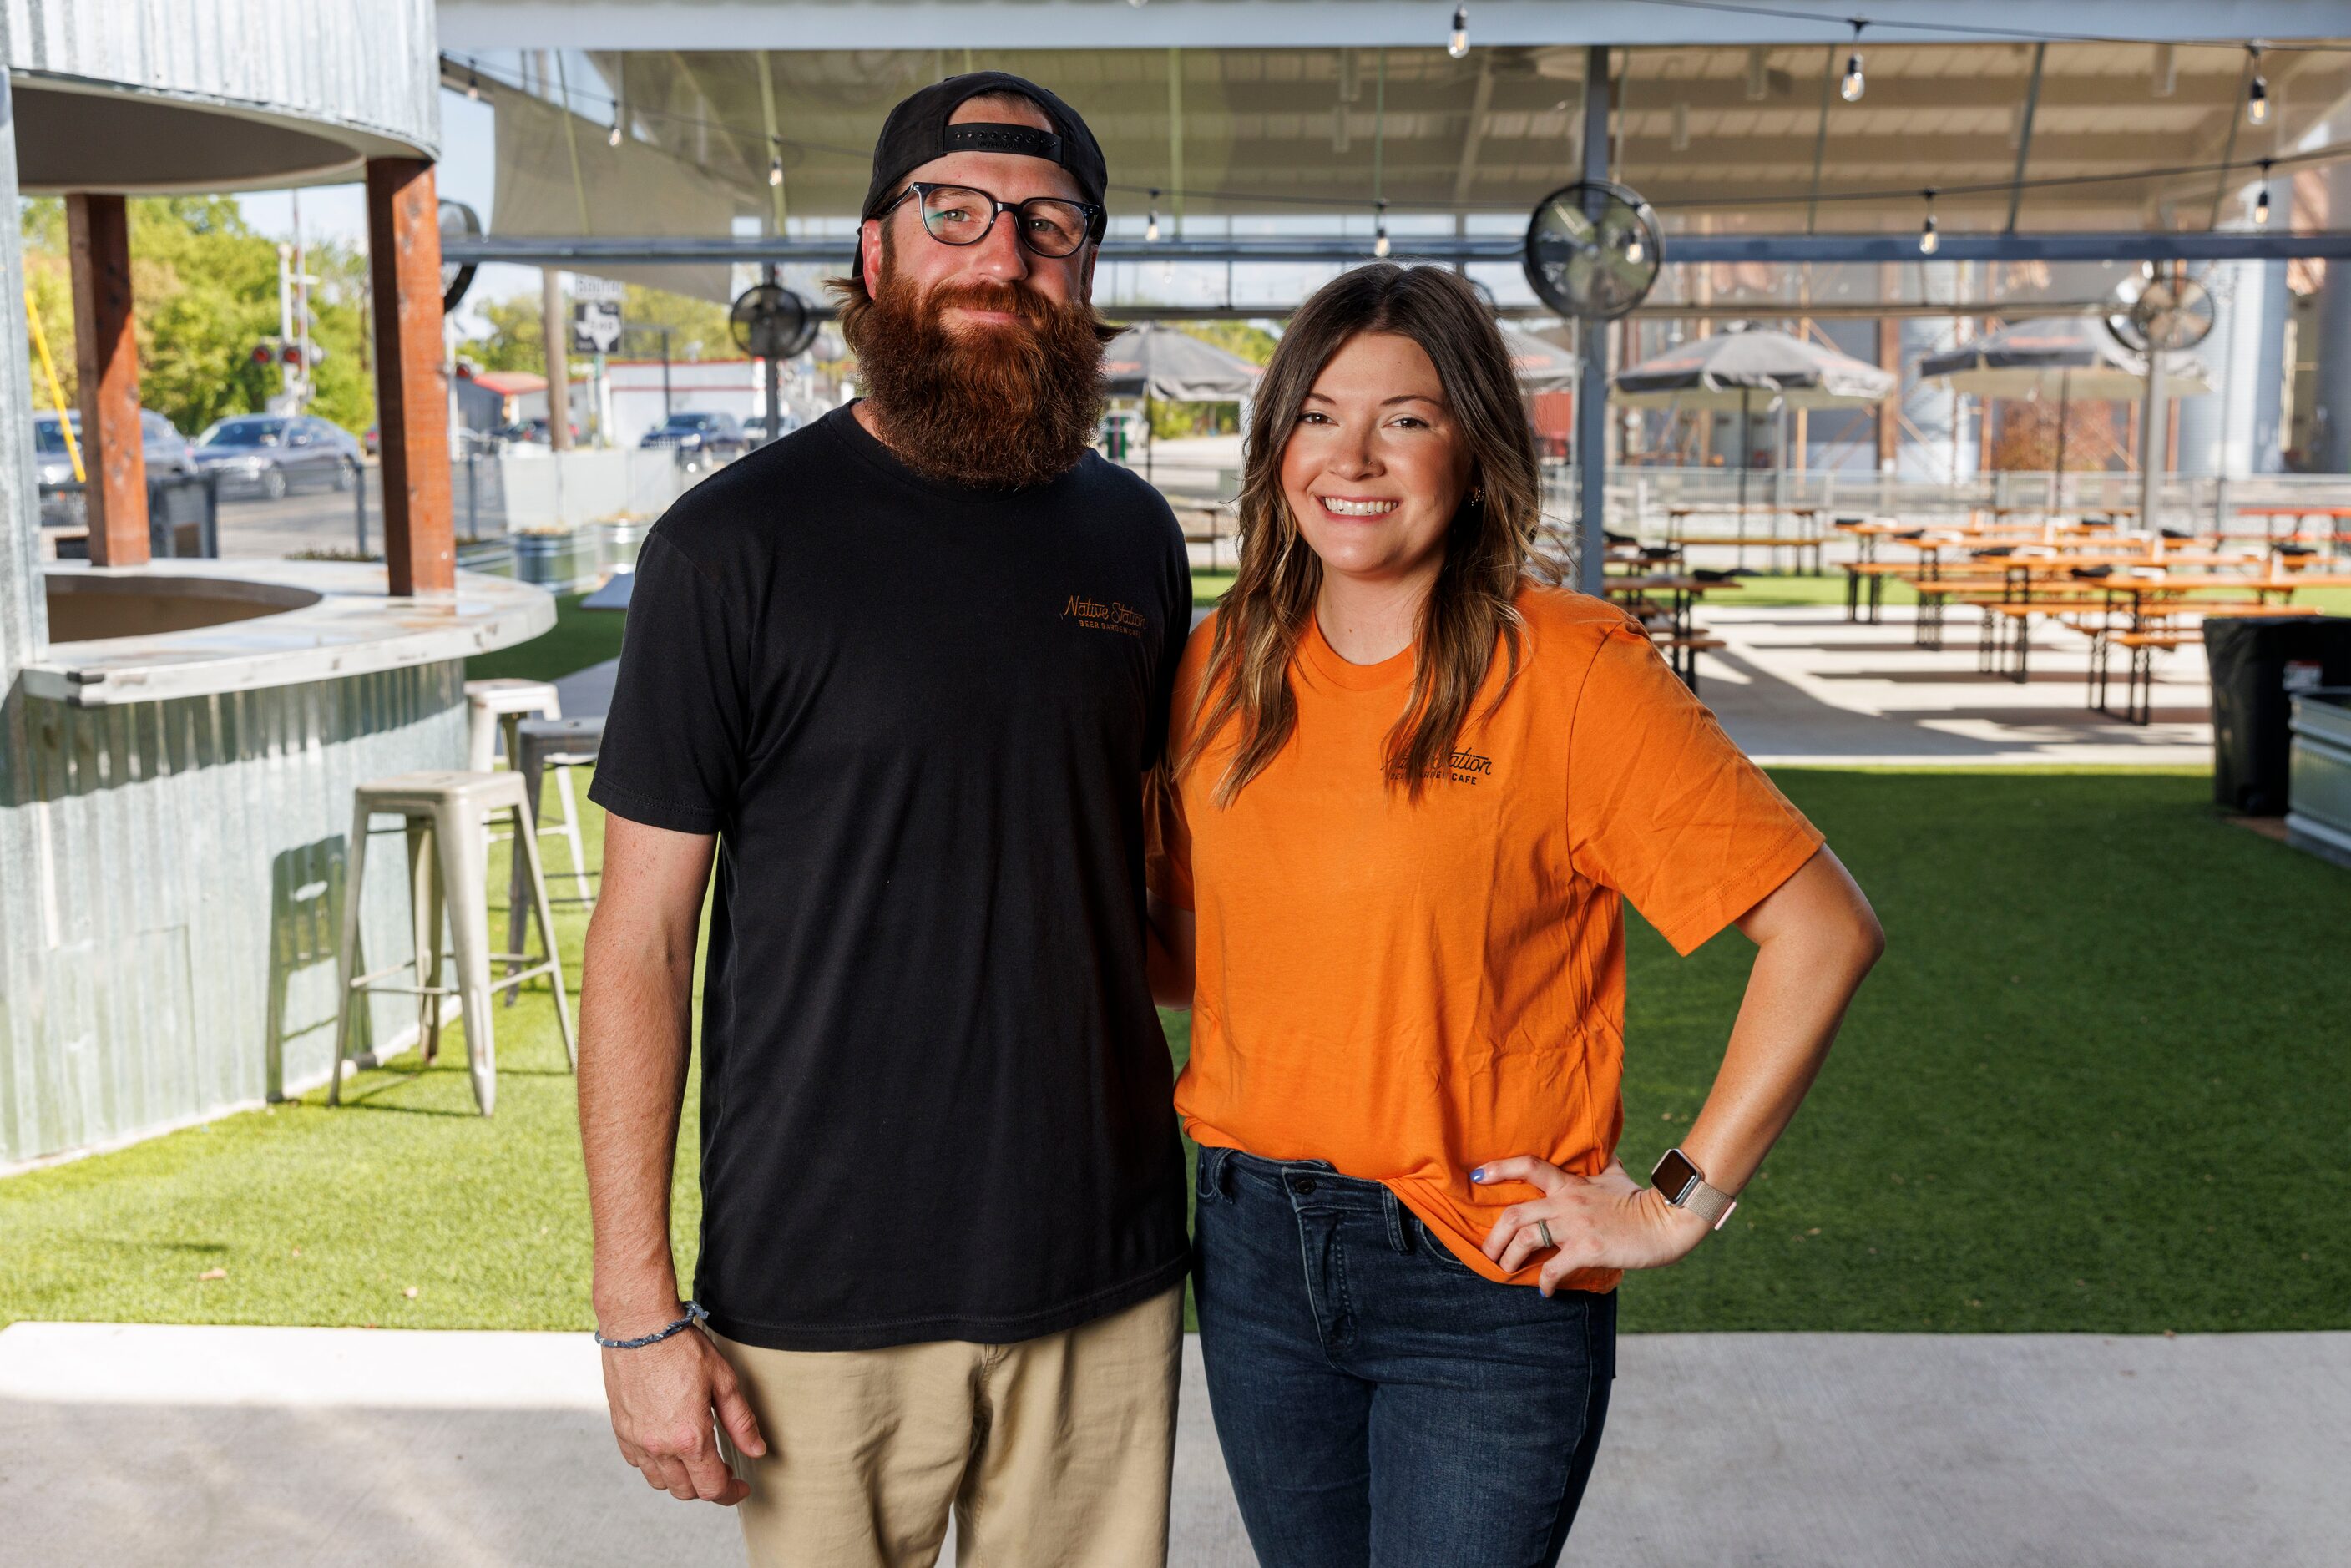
(169, 455)
(275, 453)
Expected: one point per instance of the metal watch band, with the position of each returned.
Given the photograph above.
(1711, 1204)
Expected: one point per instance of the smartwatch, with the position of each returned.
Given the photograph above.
(1680, 1183)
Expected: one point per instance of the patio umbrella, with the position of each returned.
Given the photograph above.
(1540, 366)
(1728, 370)
(1153, 361)
(2063, 357)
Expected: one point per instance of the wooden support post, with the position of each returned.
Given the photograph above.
(106, 355)
(412, 388)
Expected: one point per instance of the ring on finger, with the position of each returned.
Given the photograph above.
(1542, 1229)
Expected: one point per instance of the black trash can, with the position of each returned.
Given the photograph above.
(2258, 662)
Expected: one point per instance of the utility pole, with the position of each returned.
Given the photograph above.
(302, 308)
(284, 320)
(559, 354)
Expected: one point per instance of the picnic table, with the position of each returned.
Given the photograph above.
(2136, 612)
(1672, 598)
(1807, 537)
(2334, 534)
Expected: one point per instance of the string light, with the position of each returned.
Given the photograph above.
(1928, 242)
(472, 85)
(1380, 239)
(2257, 92)
(1151, 229)
(1853, 85)
(613, 137)
(2261, 201)
(1458, 46)
(1634, 249)
(776, 168)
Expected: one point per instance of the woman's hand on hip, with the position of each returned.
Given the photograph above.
(1607, 1221)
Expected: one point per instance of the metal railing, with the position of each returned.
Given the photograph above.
(1640, 501)
(182, 509)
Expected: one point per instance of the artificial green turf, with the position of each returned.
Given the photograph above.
(2096, 1084)
(580, 638)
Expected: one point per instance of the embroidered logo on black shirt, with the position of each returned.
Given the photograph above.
(1096, 616)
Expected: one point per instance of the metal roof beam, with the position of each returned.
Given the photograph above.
(1902, 246)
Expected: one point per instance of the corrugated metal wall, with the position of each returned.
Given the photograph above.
(171, 896)
(372, 65)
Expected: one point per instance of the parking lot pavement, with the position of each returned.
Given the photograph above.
(131, 1445)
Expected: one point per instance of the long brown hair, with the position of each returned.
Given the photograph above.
(1486, 545)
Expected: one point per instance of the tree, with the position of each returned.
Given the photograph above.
(205, 292)
(516, 338)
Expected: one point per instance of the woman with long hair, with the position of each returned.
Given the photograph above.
(1408, 787)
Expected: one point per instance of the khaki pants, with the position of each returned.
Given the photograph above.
(1051, 1451)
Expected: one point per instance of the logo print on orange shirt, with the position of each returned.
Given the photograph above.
(1096, 616)
(1460, 767)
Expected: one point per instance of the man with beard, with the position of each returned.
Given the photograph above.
(901, 674)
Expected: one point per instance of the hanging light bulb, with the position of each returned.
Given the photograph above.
(613, 137)
(2257, 93)
(2261, 201)
(776, 168)
(1852, 86)
(472, 85)
(1635, 250)
(1151, 227)
(1928, 242)
(1380, 238)
(1458, 46)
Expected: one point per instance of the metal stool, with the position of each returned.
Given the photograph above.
(503, 704)
(442, 813)
(541, 744)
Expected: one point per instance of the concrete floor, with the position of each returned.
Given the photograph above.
(134, 1446)
(1805, 686)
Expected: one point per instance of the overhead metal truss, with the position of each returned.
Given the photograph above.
(585, 252)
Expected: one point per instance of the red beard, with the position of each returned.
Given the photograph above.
(1000, 406)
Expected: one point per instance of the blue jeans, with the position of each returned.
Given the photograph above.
(1380, 1402)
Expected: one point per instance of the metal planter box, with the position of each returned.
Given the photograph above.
(2319, 810)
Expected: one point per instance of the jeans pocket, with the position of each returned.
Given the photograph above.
(1208, 1177)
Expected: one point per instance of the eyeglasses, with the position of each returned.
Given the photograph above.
(962, 214)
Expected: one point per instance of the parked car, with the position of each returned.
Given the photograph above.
(700, 432)
(272, 453)
(167, 451)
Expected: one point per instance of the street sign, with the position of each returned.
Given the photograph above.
(603, 290)
(595, 327)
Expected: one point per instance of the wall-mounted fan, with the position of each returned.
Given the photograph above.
(1592, 250)
(770, 321)
(2168, 312)
(457, 221)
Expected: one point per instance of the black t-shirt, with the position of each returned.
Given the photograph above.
(936, 1097)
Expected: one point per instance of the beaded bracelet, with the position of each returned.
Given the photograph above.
(693, 1310)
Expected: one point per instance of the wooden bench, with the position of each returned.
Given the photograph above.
(1874, 572)
(1682, 652)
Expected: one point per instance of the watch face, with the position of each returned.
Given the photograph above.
(1674, 1176)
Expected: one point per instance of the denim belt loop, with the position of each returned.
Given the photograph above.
(1399, 1236)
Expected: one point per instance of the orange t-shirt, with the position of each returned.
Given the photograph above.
(1408, 991)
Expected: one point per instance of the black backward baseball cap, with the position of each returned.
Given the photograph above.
(918, 132)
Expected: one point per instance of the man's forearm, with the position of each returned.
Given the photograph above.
(635, 1014)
